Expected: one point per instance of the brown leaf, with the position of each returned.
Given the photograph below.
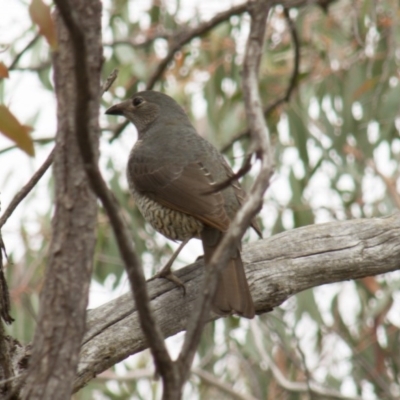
(41, 16)
(3, 71)
(14, 130)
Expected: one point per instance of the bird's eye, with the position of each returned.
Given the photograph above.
(137, 101)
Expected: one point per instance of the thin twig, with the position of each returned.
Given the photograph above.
(244, 169)
(365, 364)
(202, 374)
(222, 386)
(181, 38)
(21, 53)
(296, 66)
(127, 377)
(185, 37)
(390, 182)
(42, 170)
(36, 141)
(137, 280)
(294, 387)
(292, 83)
(110, 80)
(305, 369)
(252, 205)
(139, 43)
(35, 68)
(27, 188)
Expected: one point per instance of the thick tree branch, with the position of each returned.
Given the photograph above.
(277, 268)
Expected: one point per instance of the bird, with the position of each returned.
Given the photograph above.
(172, 172)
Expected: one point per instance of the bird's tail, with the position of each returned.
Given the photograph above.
(232, 294)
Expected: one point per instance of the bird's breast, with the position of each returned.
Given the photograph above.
(173, 224)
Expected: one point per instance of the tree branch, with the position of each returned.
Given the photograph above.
(222, 386)
(202, 374)
(134, 270)
(250, 207)
(44, 167)
(177, 41)
(294, 387)
(140, 43)
(5, 304)
(26, 189)
(38, 141)
(63, 298)
(35, 68)
(277, 268)
(292, 84)
(22, 52)
(182, 37)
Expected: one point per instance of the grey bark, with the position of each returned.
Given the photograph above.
(63, 300)
(277, 268)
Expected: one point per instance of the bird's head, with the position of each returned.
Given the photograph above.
(143, 108)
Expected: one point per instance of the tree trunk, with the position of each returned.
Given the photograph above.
(63, 300)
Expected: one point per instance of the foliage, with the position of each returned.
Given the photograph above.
(337, 152)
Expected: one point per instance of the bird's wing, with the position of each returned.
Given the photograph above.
(181, 188)
(240, 195)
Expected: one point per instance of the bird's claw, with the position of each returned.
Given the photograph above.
(171, 277)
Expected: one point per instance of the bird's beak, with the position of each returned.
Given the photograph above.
(117, 109)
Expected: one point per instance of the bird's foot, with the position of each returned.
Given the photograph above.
(167, 274)
(166, 270)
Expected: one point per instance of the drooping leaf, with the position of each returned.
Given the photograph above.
(41, 16)
(14, 130)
